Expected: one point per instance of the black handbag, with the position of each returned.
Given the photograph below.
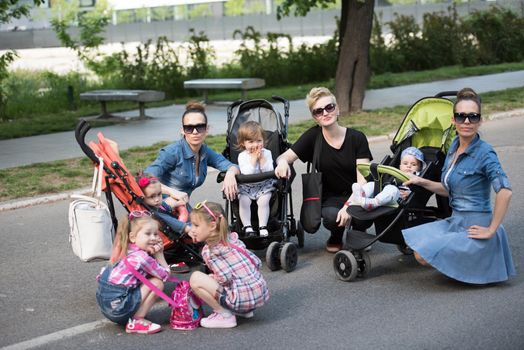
(311, 211)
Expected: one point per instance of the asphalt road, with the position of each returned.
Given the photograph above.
(47, 295)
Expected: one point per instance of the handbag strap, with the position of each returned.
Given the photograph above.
(243, 252)
(316, 154)
(151, 286)
(96, 186)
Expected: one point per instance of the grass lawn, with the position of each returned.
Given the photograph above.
(58, 176)
(67, 120)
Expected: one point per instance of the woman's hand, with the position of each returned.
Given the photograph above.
(229, 186)
(480, 232)
(283, 170)
(342, 216)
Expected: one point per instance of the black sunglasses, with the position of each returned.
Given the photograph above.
(319, 112)
(189, 129)
(460, 118)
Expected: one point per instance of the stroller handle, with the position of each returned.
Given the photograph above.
(80, 133)
(242, 178)
(446, 93)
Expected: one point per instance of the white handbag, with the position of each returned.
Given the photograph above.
(91, 228)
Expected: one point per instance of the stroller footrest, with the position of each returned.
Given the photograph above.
(358, 240)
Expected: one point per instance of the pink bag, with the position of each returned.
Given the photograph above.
(186, 306)
(187, 311)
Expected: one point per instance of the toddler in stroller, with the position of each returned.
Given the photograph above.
(426, 126)
(281, 224)
(411, 162)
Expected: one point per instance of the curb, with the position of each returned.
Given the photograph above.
(28, 202)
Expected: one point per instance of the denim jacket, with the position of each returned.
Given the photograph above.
(468, 182)
(175, 166)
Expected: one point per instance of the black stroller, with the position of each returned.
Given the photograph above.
(427, 126)
(282, 225)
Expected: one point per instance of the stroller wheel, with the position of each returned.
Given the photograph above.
(273, 256)
(364, 264)
(404, 249)
(345, 265)
(300, 235)
(288, 256)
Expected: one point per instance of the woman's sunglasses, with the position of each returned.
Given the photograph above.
(189, 129)
(460, 118)
(201, 205)
(319, 112)
(139, 214)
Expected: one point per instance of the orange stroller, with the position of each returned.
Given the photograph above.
(120, 182)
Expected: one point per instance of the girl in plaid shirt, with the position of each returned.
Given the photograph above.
(235, 285)
(121, 296)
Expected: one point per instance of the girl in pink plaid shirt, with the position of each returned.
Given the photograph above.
(121, 296)
(235, 285)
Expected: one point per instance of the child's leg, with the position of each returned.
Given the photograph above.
(244, 207)
(148, 297)
(206, 287)
(388, 195)
(263, 213)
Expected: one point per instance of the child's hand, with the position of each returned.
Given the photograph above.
(156, 248)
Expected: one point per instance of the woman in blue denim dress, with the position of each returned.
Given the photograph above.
(470, 246)
(182, 166)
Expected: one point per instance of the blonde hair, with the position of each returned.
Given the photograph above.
(249, 130)
(222, 229)
(467, 94)
(125, 226)
(317, 93)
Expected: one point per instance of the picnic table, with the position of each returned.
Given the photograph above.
(140, 96)
(242, 84)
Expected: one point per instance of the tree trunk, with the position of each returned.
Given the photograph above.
(353, 62)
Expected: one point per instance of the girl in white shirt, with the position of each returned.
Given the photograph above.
(254, 159)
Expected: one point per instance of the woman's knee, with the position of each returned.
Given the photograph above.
(329, 217)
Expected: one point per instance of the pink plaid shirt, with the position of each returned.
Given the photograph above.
(241, 279)
(142, 262)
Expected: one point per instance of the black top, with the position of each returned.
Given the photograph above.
(338, 166)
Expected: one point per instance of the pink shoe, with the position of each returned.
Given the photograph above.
(216, 320)
(142, 326)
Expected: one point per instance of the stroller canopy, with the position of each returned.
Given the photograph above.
(428, 124)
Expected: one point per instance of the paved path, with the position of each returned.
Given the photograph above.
(166, 122)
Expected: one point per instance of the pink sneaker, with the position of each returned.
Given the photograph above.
(142, 326)
(216, 320)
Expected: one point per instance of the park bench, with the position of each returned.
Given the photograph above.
(140, 96)
(242, 84)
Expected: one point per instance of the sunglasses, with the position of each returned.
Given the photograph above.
(319, 112)
(189, 129)
(460, 118)
(201, 205)
(139, 214)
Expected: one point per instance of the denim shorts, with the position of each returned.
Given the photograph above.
(221, 296)
(117, 303)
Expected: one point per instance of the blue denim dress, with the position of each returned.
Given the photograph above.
(117, 303)
(444, 243)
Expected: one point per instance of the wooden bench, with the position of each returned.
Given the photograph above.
(242, 84)
(141, 96)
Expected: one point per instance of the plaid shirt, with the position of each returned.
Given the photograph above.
(244, 284)
(142, 262)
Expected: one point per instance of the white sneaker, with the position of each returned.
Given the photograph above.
(263, 232)
(216, 320)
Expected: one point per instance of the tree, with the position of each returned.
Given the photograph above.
(353, 67)
(10, 10)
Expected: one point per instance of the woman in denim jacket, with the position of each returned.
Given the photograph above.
(182, 166)
(470, 246)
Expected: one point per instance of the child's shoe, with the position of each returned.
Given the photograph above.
(219, 320)
(180, 267)
(248, 231)
(263, 231)
(142, 326)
